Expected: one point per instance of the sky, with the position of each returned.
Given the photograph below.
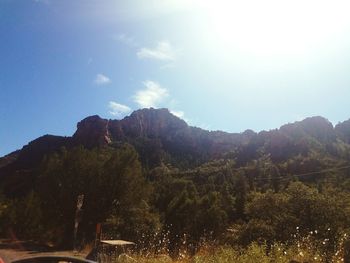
(218, 64)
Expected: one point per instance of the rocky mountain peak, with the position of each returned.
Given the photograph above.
(317, 127)
(92, 131)
(95, 131)
(151, 123)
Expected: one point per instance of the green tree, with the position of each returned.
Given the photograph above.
(241, 195)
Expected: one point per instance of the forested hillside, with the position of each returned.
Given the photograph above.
(153, 179)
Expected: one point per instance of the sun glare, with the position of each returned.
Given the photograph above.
(277, 27)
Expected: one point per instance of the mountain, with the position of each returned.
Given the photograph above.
(156, 128)
(157, 125)
(153, 173)
(160, 137)
(343, 131)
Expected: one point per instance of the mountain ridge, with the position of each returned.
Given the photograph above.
(165, 133)
(160, 138)
(118, 125)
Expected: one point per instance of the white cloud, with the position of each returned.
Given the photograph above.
(118, 110)
(162, 51)
(179, 114)
(151, 96)
(127, 40)
(102, 79)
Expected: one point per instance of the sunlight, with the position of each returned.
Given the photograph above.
(276, 27)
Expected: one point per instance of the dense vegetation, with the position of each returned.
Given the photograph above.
(287, 189)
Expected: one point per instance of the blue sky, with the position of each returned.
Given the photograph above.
(220, 65)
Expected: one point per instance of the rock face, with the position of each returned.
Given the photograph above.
(150, 123)
(92, 132)
(157, 128)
